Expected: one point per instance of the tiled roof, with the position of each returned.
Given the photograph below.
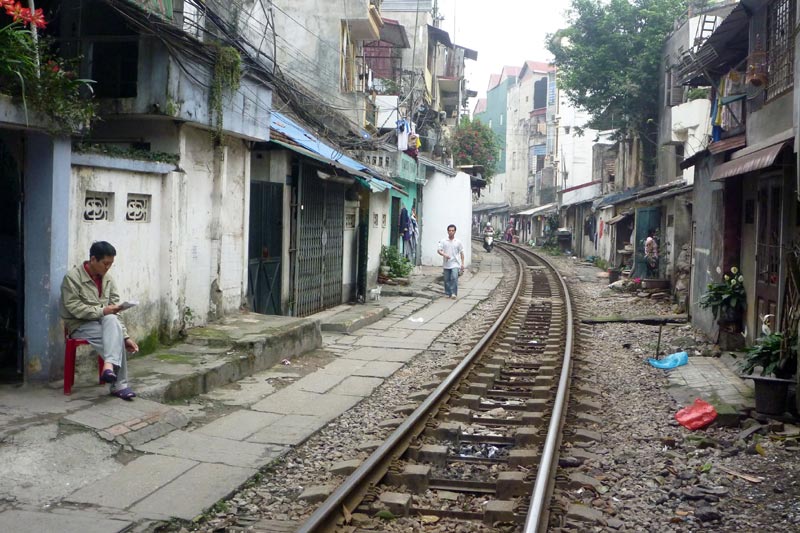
(480, 106)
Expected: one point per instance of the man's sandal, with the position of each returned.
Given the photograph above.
(108, 376)
(126, 394)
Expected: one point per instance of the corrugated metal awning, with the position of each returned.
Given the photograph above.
(748, 163)
(541, 210)
(290, 134)
(619, 218)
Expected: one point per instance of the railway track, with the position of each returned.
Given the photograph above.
(483, 445)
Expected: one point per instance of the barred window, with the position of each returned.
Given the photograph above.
(780, 47)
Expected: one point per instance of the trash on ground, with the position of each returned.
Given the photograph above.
(418, 319)
(696, 416)
(671, 361)
(286, 362)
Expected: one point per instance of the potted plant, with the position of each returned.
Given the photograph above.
(776, 361)
(727, 298)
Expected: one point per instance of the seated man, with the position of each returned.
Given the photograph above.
(89, 307)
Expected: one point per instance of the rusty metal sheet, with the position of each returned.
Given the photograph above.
(756, 161)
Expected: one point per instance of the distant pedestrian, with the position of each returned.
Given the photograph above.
(452, 252)
(651, 253)
(414, 235)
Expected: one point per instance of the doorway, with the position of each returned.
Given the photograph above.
(647, 218)
(768, 248)
(265, 247)
(11, 271)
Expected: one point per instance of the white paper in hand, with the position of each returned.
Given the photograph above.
(128, 304)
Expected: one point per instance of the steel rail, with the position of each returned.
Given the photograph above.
(541, 494)
(350, 493)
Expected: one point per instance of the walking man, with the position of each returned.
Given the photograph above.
(89, 307)
(651, 253)
(452, 252)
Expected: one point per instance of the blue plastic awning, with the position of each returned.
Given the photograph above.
(289, 134)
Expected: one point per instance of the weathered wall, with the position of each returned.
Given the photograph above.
(137, 269)
(771, 120)
(350, 247)
(690, 128)
(707, 222)
(186, 263)
(46, 216)
(448, 200)
(308, 42)
(379, 232)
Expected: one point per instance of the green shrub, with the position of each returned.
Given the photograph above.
(399, 266)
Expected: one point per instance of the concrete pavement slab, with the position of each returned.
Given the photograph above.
(19, 521)
(383, 342)
(292, 401)
(318, 382)
(238, 425)
(246, 391)
(40, 466)
(137, 480)
(207, 449)
(289, 430)
(357, 386)
(368, 353)
(343, 366)
(198, 489)
(378, 369)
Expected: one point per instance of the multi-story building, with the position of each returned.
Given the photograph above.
(746, 176)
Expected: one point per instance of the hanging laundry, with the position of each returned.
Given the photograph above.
(403, 131)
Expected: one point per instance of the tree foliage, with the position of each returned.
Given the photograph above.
(474, 143)
(608, 59)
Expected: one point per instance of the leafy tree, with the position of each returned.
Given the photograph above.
(474, 143)
(609, 57)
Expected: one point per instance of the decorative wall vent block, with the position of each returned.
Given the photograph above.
(138, 208)
(98, 206)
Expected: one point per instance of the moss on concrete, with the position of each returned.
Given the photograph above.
(174, 358)
(149, 344)
(209, 333)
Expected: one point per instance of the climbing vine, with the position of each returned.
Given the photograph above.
(226, 78)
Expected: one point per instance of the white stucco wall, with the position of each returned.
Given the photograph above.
(349, 249)
(691, 126)
(575, 151)
(604, 243)
(379, 232)
(190, 253)
(137, 269)
(215, 223)
(448, 200)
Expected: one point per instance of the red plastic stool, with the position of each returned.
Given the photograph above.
(70, 349)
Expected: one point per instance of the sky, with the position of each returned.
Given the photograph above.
(503, 32)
